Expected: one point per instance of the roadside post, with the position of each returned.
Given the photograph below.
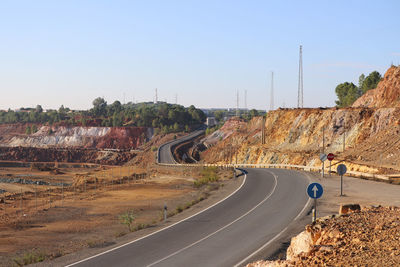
(36, 185)
(330, 158)
(315, 191)
(165, 212)
(341, 170)
(323, 157)
(62, 194)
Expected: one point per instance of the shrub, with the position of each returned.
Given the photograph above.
(30, 257)
(209, 174)
(127, 218)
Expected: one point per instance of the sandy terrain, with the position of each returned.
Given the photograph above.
(88, 215)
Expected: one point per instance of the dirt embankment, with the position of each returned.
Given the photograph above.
(366, 238)
(76, 155)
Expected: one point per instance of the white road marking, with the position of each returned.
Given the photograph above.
(222, 228)
(136, 240)
(275, 237)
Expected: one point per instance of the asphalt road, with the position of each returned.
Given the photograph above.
(225, 234)
(165, 155)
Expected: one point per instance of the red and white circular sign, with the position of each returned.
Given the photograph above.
(331, 156)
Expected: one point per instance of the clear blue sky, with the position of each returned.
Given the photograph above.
(70, 52)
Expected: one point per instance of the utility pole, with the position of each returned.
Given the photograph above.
(156, 97)
(344, 134)
(300, 85)
(263, 131)
(245, 100)
(271, 105)
(323, 150)
(237, 103)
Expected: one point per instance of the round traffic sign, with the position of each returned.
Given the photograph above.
(315, 190)
(341, 169)
(330, 156)
(322, 157)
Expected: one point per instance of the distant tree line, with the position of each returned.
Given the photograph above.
(347, 92)
(162, 116)
(220, 114)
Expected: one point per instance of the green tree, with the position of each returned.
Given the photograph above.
(61, 109)
(361, 80)
(347, 93)
(34, 129)
(253, 113)
(371, 81)
(219, 115)
(176, 127)
(117, 119)
(99, 106)
(39, 109)
(28, 130)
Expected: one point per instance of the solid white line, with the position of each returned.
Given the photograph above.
(275, 237)
(165, 228)
(308, 201)
(222, 228)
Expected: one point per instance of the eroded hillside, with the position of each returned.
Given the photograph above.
(295, 136)
(13, 135)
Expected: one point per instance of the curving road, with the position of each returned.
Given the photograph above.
(224, 234)
(164, 152)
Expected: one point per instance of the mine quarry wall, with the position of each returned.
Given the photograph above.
(294, 136)
(86, 137)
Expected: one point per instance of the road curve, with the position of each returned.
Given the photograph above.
(225, 234)
(164, 152)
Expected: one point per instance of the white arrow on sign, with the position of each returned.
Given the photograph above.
(315, 189)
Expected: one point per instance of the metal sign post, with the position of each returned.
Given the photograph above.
(341, 170)
(315, 191)
(330, 158)
(323, 157)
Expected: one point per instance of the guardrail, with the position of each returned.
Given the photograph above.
(178, 141)
(281, 166)
(285, 166)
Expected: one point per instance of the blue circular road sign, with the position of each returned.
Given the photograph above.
(315, 190)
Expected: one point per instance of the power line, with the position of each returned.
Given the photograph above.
(300, 87)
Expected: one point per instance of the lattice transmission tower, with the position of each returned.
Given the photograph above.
(271, 103)
(300, 88)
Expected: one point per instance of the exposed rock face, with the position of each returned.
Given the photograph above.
(86, 137)
(386, 94)
(230, 126)
(294, 136)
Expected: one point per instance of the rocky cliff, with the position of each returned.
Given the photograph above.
(296, 136)
(386, 94)
(366, 136)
